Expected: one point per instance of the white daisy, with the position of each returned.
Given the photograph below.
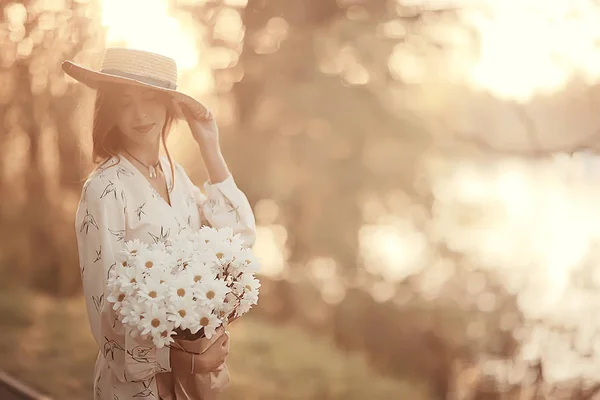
(134, 247)
(206, 256)
(150, 260)
(223, 251)
(160, 275)
(132, 311)
(182, 285)
(207, 234)
(182, 254)
(201, 272)
(129, 279)
(249, 283)
(244, 306)
(165, 338)
(152, 291)
(251, 262)
(237, 242)
(113, 284)
(224, 234)
(195, 238)
(117, 298)
(211, 292)
(183, 312)
(154, 321)
(209, 322)
(225, 309)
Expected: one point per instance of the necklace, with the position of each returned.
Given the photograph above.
(151, 168)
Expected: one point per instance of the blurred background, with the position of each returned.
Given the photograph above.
(423, 172)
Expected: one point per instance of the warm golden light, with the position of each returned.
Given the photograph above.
(534, 46)
(148, 25)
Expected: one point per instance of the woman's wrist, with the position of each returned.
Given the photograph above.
(209, 146)
(215, 164)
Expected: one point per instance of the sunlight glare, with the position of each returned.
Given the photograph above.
(534, 46)
(147, 25)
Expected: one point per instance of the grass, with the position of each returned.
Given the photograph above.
(46, 342)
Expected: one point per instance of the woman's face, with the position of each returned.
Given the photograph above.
(141, 114)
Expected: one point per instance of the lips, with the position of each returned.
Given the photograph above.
(143, 128)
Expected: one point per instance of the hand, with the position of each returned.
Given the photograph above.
(204, 131)
(206, 134)
(214, 357)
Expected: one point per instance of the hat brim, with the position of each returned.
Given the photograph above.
(95, 79)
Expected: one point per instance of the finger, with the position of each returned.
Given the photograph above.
(218, 366)
(222, 340)
(227, 340)
(184, 109)
(224, 351)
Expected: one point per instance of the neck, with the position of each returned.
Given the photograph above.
(147, 153)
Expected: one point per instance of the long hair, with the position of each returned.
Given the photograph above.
(106, 136)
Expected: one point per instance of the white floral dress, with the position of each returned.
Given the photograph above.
(119, 204)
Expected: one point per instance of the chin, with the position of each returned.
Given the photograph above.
(144, 139)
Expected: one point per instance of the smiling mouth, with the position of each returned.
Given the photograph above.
(144, 128)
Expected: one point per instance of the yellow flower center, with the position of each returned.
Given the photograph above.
(220, 255)
(134, 251)
(149, 264)
(210, 295)
(124, 263)
(182, 313)
(132, 280)
(180, 292)
(153, 294)
(204, 321)
(155, 322)
(248, 287)
(197, 278)
(121, 297)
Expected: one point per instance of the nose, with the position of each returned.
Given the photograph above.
(139, 111)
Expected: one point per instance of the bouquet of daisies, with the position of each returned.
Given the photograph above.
(194, 283)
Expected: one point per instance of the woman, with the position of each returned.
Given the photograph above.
(136, 194)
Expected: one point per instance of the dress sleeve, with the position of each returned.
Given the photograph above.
(225, 205)
(101, 227)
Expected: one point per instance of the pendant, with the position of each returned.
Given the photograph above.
(152, 172)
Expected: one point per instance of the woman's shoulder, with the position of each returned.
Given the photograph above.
(105, 179)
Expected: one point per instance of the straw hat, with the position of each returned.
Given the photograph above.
(139, 68)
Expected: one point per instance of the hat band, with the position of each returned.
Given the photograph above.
(142, 78)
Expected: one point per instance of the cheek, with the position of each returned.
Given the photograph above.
(123, 122)
(159, 114)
